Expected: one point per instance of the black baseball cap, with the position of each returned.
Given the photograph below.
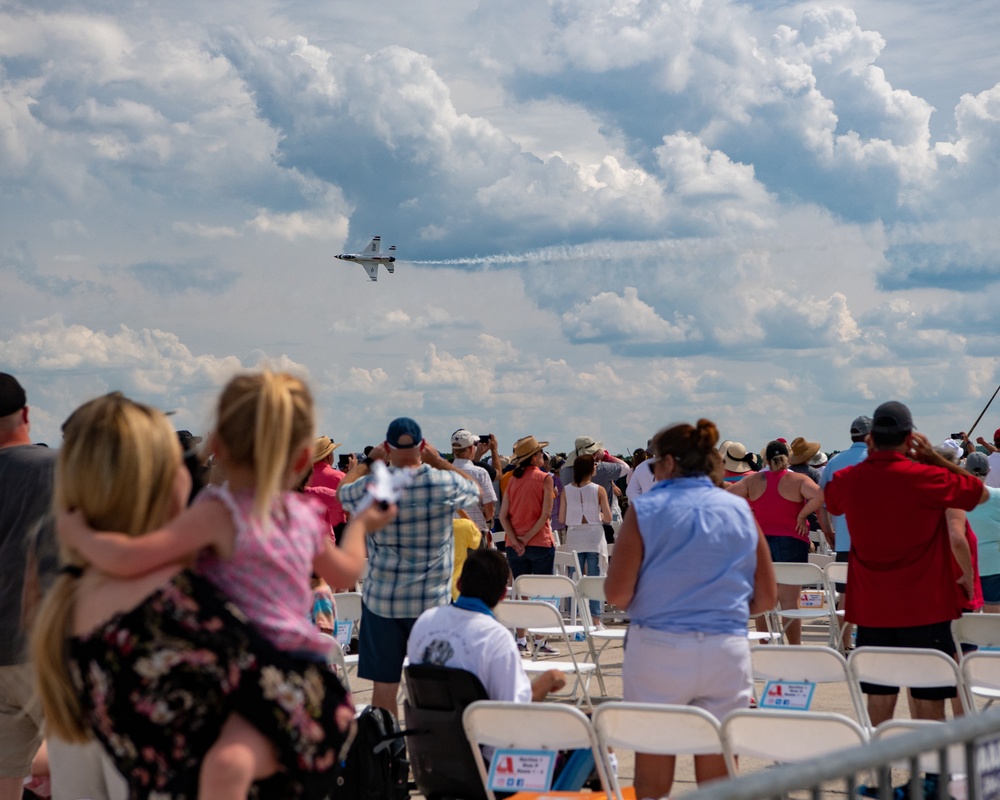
(892, 417)
(12, 396)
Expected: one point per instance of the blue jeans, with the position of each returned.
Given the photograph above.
(535, 561)
(591, 563)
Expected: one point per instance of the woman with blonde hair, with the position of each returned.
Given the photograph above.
(187, 698)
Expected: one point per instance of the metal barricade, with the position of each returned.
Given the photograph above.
(839, 772)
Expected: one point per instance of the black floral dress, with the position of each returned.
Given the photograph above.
(158, 682)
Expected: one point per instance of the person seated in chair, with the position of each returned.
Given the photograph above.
(466, 635)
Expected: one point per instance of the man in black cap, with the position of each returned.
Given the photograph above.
(903, 590)
(410, 560)
(26, 475)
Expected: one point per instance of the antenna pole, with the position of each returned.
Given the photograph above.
(974, 424)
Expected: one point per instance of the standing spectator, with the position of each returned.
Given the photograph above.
(838, 535)
(985, 521)
(410, 561)
(782, 501)
(993, 479)
(737, 462)
(463, 447)
(583, 507)
(323, 483)
(690, 565)
(641, 480)
(26, 474)
(901, 563)
(526, 513)
(609, 469)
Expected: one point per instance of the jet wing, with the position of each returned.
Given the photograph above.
(372, 269)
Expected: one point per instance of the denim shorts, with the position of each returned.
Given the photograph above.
(382, 646)
(535, 561)
(991, 588)
(788, 548)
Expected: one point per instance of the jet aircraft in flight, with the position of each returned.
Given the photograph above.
(369, 258)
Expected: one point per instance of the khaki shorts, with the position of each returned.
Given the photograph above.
(20, 720)
(710, 671)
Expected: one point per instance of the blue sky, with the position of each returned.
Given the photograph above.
(610, 214)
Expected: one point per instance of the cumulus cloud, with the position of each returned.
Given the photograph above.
(627, 322)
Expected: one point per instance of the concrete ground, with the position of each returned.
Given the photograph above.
(834, 698)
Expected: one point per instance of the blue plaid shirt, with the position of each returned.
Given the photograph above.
(410, 560)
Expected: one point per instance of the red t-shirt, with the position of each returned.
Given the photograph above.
(900, 565)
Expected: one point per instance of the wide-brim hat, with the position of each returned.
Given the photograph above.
(735, 458)
(801, 450)
(525, 448)
(323, 447)
(583, 446)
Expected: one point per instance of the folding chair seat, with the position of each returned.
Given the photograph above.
(906, 667)
(530, 726)
(809, 663)
(787, 736)
(808, 575)
(534, 615)
(655, 728)
(443, 764)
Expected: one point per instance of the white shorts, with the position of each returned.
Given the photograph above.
(710, 671)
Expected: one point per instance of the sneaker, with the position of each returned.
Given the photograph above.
(522, 648)
(546, 649)
(600, 626)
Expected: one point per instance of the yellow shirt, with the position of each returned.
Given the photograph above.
(467, 537)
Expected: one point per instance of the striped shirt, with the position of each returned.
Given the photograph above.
(410, 560)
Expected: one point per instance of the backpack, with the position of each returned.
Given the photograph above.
(376, 767)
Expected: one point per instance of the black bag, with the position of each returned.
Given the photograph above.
(376, 767)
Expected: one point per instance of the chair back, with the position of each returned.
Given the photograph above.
(910, 667)
(799, 574)
(530, 726)
(787, 736)
(544, 586)
(836, 572)
(982, 630)
(442, 762)
(566, 560)
(811, 663)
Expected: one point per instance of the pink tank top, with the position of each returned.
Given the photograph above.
(775, 514)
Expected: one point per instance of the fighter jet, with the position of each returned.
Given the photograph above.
(369, 258)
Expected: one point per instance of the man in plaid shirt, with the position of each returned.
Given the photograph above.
(410, 561)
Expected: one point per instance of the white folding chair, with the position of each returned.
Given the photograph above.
(657, 729)
(567, 562)
(808, 575)
(591, 587)
(529, 726)
(787, 736)
(809, 663)
(535, 615)
(928, 762)
(909, 667)
(542, 586)
(336, 660)
(981, 675)
(981, 630)
(348, 609)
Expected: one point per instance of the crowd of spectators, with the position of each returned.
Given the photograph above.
(696, 525)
